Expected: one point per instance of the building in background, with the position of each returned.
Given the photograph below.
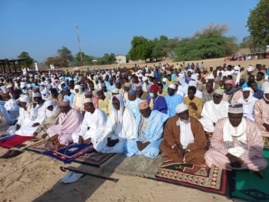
(121, 59)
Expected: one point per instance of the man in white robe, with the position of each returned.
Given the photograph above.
(92, 127)
(78, 99)
(10, 110)
(248, 102)
(120, 126)
(213, 111)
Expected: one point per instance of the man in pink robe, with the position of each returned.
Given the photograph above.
(261, 113)
(69, 122)
(236, 143)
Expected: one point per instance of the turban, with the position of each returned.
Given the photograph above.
(266, 90)
(228, 82)
(37, 95)
(87, 100)
(128, 85)
(219, 91)
(235, 109)
(250, 69)
(248, 89)
(116, 91)
(132, 91)
(173, 86)
(24, 98)
(143, 105)
(181, 108)
(154, 88)
(115, 98)
(77, 87)
(65, 103)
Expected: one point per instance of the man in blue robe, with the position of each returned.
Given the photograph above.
(149, 133)
(155, 101)
(68, 95)
(133, 102)
(172, 100)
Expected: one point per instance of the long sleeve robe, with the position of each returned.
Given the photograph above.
(104, 105)
(172, 137)
(252, 158)
(78, 102)
(153, 133)
(261, 115)
(172, 102)
(194, 113)
(68, 123)
(159, 104)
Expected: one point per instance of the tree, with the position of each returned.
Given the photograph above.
(258, 23)
(65, 54)
(210, 42)
(87, 59)
(56, 61)
(106, 59)
(141, 48)
(29, 60)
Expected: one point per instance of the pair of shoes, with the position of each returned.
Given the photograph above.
(11, 154)
(71, 177)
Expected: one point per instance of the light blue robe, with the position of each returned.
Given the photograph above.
(172, 102)
(153, 134)
(133, 106)
(70, 98)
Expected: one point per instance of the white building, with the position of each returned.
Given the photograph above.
(120, 59)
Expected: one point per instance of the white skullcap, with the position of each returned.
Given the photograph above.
(164, 79)
(235, 109)
(77, 87)
(144, 79)
(250, 69)
(45, 91)
(87, 100)
(193, 83)
(181, 108)
(24, 98)
(219, 91)
(29, 85)
(210, 76)
(237, 68)
(190, 70)
(23, 85)
(42, 84)
(116, 91)
(173, 86)
(37, 95)
(9, 86)
(266, 90)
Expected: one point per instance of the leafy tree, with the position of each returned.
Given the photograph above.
(56, 61)
(106, 59)
(141, 48)
(87, 59)
(65, 54)
(210, 42)
(258, 23)
(25, 55)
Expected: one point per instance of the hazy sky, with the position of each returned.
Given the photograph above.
(40, 27)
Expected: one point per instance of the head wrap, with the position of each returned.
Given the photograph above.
(154, 88)
(65, 103)
(143, 105)
(118, 114)
(173, 86)
(66, 88)
(266, 90)
(128, 85)
(50, 103)
(77, 86)
(251, 93)
(236, 68)
(219, 91)
(235, 109)
(250, 69)
(181, 108)
(116, 91)
(132, 91)
(181, 79)
(24, 98)
(193, 83)
(87, 100)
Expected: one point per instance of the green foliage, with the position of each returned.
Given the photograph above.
(56, 61)
(25, 55)
(207, 43)
(65, 54)
(86, 59)
(106, 59)
(258, 23)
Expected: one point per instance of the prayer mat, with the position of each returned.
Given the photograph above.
(29, 143)
(94, 159)
(213, 180)
(208, 136)
(266, 142)
(40, 147)
(70, 153)
(6, 137)
(248, 186)
(15, 141)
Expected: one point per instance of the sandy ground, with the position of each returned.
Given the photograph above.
(34, 177)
